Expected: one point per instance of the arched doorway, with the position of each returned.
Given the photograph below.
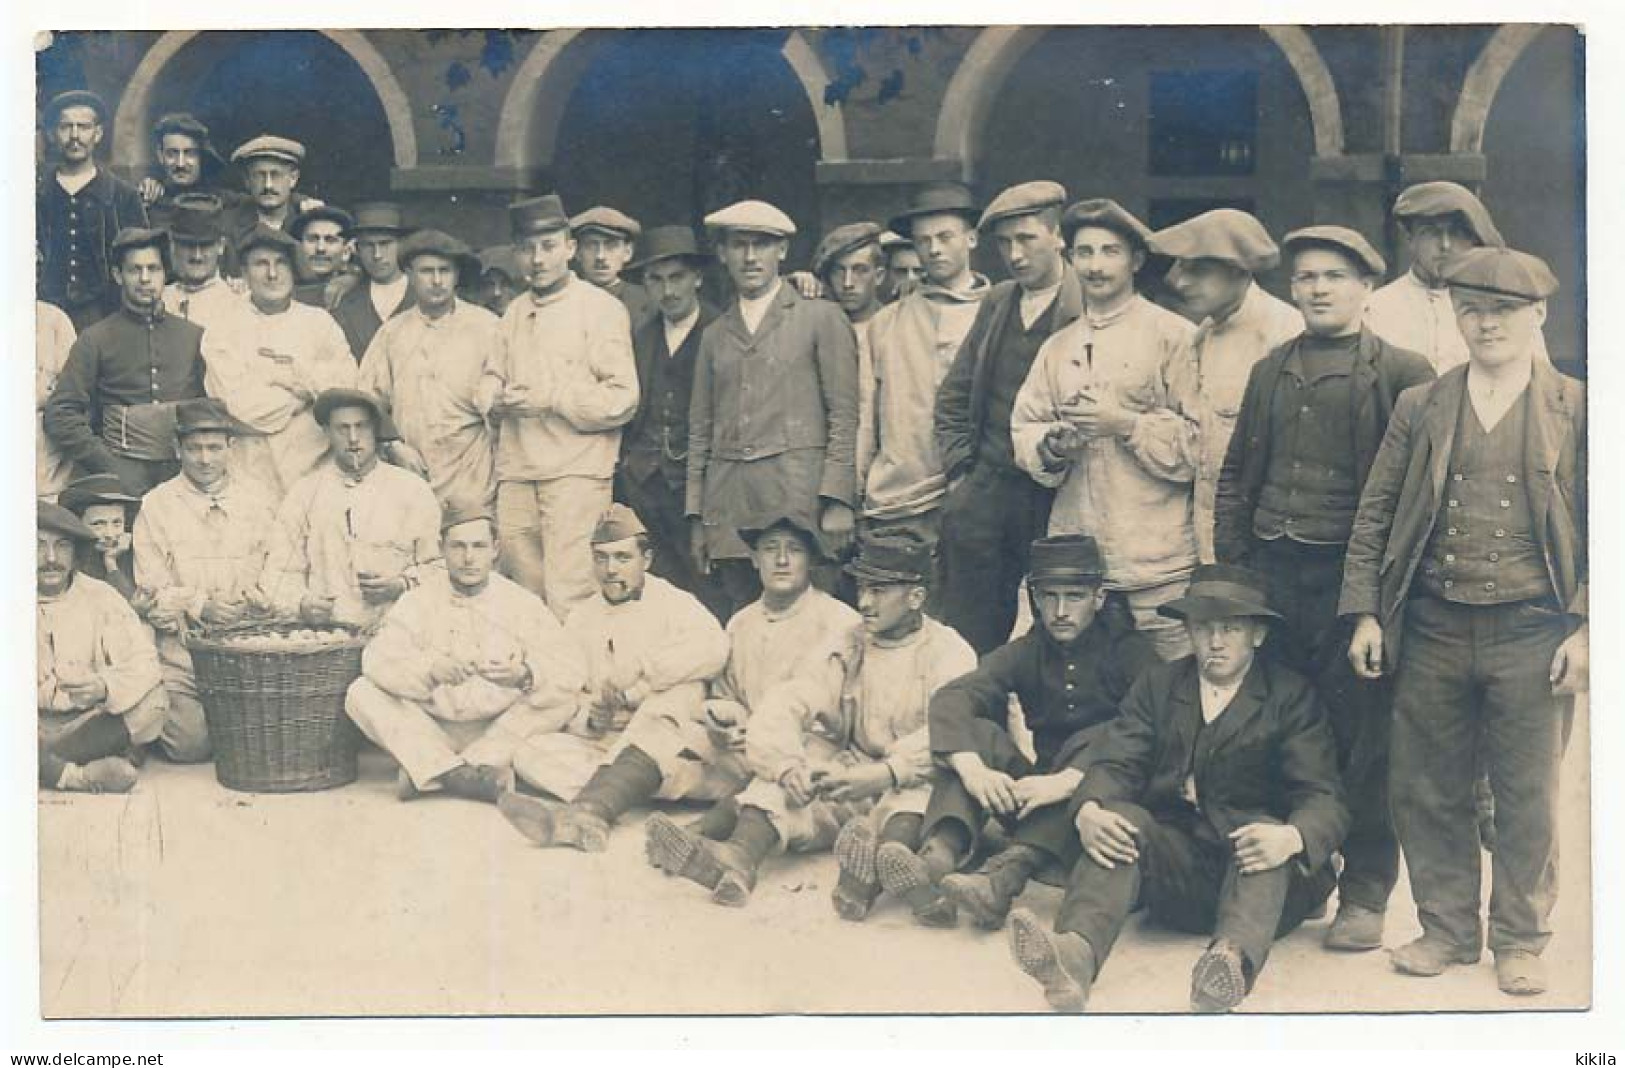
(303, 85)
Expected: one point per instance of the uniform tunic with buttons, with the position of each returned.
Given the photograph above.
(74, 233)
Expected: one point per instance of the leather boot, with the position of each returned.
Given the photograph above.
(904, 874)
(550, 824)
(859, 884)
(1220, 979)
(1063, 962)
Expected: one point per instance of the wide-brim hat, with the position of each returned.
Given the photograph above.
(1339, 238)
(439, 243)
(202, 414)
(1433, 199)
(1224, 234)
(379, 217)
(53, 517)
(1107, 214)
(74, 98)
(671, 243)
(936, 198)
(332, 399)
(324, 213)
(784, 519)
(87, 490)
(1065, 558)
(892, 557)
(1221, 591)
(843, 240)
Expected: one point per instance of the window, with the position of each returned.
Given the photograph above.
(1203, 123)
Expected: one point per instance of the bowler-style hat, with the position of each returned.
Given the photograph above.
(1504, 272)
(785, 519)
(892, 557)
(1340, 239)
(57, 519)
(935, 198)
(670, 243)
(1065, 558)
(1221, 591)
(86, 490)
(537, 215)
(1433, 199)
(617, 523)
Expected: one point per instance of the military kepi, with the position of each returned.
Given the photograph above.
(1065, 558)
(1502, 271)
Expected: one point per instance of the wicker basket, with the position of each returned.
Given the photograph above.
(276, 717)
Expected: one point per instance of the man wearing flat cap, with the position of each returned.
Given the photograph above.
(79, 210)
(652, 475)
(323, 233)
(427, 366)
(353, 535)
(638, 729)
(1288, 492)
(1212, 798)
(773, 421)
(1467, 580)
(103, 505)
(270, 359)
(848, 262)
(606, 241)
(465, 668)
(200, 545)
(185, 163)
(993, 509)
(1216, 256)
(1108, 418)
(1070, 673)
(199, 293)
(270, 167)
(563, 383)
(112, 411)
(382, 291)
(839, 752)
(97, 681)
(497, 282)
(911, 345)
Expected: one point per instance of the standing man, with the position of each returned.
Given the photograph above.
(993, 510)
(606, 240)
(1216, 256)
(427, 366)
(904, 268)
(270, 175)
(53, 340)
(79, 211)
(653, 470)
(773, 421)
(498, 281)
(186, 165)
(384, 292)
(113, 408)
(270, 360)
(323, 233)
(1467, 579)
(564, 383)
(1107, 417)
(912, 343)
(199, 294)
(1311, 421)
(200, 545)
(849, 263)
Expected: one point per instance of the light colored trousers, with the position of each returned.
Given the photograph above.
(1166, 635)
(546, 532)
(812, 828)
(185, 734)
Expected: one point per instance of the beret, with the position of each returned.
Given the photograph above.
(755, 216)
(282, 148)
(1341, 238)
(617, 523)
(1108, 214)
(1447, 198)
(1502, 271)
(841, 240)
(1023, 199)
(1225, 234)
(608, 220)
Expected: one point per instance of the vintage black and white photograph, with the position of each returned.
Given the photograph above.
(729, 520)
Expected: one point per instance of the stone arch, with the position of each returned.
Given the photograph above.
(133, 121)
(528, 125)
(996, 51)
(1483, 81)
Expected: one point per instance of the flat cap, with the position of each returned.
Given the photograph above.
(498, 258)
(322, 213)
(936, 198)
(1503, 271)
(330, 400)
(199, 414)
(1447, 198)
(1349, 242)
(754, 216)
(139, 237)
(87, 490)
(1023, 199)
(670, 243)
(1109, 215)
(537, 215)
(606, 220)
(379, 217)
(439, 243)
(73, 98)
(59, 520)
(892, 557)
(842, 240)
(1224, 234)
(196, 218)
(271, 147)
(1065, 558)
(785, 519)
(263, 236)
(891, 241)
(617, 523)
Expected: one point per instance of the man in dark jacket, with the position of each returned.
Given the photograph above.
(1213, 798)
(994, 510)
(1288, 492)
(381, 291)
(185, 163)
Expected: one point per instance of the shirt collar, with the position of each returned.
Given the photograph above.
(537, 302)
(157, 314)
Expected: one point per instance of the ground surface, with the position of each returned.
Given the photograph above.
(185, 899)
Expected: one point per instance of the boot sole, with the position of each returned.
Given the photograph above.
(532, 817)
(855, 853)
(677, 851)
(1217, 983)
(973, 894)
(1034, 954)
(904, 874)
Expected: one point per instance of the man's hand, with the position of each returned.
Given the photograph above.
(1365, 648)
(610, 712)
(380, 589)
(993, 790)
(515, 402)
(150, 190)
(837, 521)
(722, 726)
(316, 608)
(112, 547)
(338, 287)
(856, 783)
(85, 692)
(218, 613)
(1571, 665)
(798, 785)
(1036, 791)
(698, 554)
(446, 670)
(1057, 448)
(1097, 415)
(510, 671)
(1262, 847)
(407, 458)
(806, 284)
(1108, 837)
(143, 601)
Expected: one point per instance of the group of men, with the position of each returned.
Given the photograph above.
(1305, 576)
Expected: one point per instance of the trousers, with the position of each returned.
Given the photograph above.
(546, 532)
(184, 738)
(989, 522)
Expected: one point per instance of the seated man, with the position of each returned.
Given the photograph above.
(639, 729)
(465, 668)
(200, 544)
(845, 740)
(103, 504)
(1070, 673)
(1213, 799)
(355, 534)
(97, 681)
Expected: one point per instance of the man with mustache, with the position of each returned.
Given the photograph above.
(198, 293)
(323, 233)
(606, 241)
(270, 166)
(79, 211)
(186, 164)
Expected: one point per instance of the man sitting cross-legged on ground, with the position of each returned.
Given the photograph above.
(1071, 672)
(1213, 798)
(845, 740)
(639, 731)
(466, 667)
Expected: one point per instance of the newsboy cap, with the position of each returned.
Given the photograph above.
(935, 198)
(1108, 215)
(73, 98)
(499, 258)
(892, 241)
(330, 400)
(1024, 199)
(1221, 591)
(263, 236)
(269, 146)
(892, 557)
(196, 218)
(1341, 239)
(670, 243)
(139, 237)
(1502, 271)
(537, 215)
(1224, 234)
(1065, 558)
(606, 221)
(58, 520)
(1432, 199)
(440, 243)
(842, 240)
(86, 490)
(378, 217)
(752, 216)
(201, 414)
(617, 523)
(321, 213)
(784, 519)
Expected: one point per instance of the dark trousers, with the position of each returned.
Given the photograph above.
(140, 477)
(1303, 583)
(1473, 685)
(660, 506)
(989, 522)
(1188, 880)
